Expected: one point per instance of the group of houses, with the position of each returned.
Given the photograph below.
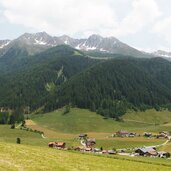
(124, 133)
(151, 152)
(161, 134)
(88, 145)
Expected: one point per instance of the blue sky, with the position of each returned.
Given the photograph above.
(144, 24)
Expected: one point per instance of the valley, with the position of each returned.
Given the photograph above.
(66, 128)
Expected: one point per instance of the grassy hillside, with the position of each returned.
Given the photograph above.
(82, 120)
(150, 116)
(67, 127)
(8, 135)
(21, 157)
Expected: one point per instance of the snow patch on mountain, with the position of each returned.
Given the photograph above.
(40, 42)
(4, 44)
(162, 54)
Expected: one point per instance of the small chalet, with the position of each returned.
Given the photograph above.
(122, 133)
(147, 134)
(162, 134)
(146, 151)
(90, 142)
(132, 134)
(57, 144)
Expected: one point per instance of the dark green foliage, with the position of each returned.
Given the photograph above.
(63, 75)
(12, 119)
(16, 116)
(66, 109)
(23, 123)
(18, 141)
(113, 86)
(167, 155)
(13, 126)
(28, 81)
(113, 109)
(4, 117)
(93, 107)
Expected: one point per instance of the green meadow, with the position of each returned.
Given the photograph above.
(34, 154)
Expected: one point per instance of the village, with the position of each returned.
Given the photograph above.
(88, 145)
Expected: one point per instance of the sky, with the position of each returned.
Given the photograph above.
(143, 24)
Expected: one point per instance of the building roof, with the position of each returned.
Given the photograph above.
(50, 143)
(147, 149)
(60, 143)
(152, 152)
(123, 132)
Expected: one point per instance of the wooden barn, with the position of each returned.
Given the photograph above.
(122, 133)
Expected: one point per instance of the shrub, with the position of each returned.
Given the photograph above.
(66, 109)
(167, 155)
(18, 141)
(13, 126)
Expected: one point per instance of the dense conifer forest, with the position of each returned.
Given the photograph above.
(64, 76)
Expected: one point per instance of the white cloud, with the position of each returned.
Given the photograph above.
(144, 13)
(163, 29)
(61, 16)
(80, 17)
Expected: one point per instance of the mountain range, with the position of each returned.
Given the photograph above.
(38, 42)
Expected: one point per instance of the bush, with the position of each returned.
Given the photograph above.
(66, 109)
(13, 126)
(18, 141)
(167, 155)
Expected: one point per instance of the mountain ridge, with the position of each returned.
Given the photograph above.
(38, 42)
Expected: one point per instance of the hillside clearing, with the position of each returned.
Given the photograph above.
(82, 120)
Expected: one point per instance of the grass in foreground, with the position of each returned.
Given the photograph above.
(21, 157)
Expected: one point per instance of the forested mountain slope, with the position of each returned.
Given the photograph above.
(62, 75)
(118, 83)
(28, 81)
